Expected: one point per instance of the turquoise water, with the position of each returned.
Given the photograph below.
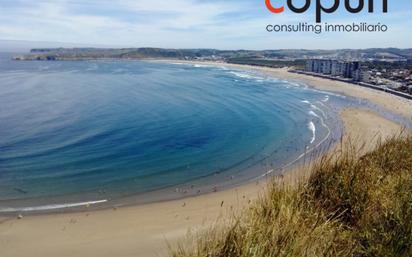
(103, 130)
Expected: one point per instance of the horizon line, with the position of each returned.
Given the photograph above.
(72, 45)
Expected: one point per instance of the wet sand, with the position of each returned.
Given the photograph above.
(392, 103)
(146, 230)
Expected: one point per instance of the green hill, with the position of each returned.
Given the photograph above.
(213, 54)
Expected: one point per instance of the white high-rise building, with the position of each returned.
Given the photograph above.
(346, 69)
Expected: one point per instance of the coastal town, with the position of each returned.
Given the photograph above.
(214, 128)
(389, 77)
(384, 69)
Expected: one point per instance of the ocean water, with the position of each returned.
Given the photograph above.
(93, 132)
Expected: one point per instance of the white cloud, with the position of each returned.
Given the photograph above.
(173, 23)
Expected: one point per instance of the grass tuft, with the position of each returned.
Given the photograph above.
(351, 205)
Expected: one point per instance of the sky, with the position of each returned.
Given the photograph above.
(221, 24)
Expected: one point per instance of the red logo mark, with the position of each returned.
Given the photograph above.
(274, 9)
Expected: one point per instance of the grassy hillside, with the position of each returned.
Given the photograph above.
(349, 206)
(243, 55)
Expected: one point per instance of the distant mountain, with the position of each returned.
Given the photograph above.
(214, 54)
(24, 46)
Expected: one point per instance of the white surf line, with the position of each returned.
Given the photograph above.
(325, 92)
(321, 103)
(312, 128)
(202, 66)
(303, 154)
(318, 109)
(315, 107)
(321, 119)
(247, 75)
(50, 207)
(196, 65)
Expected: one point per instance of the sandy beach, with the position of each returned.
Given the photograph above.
(146, 230)
(392, 103)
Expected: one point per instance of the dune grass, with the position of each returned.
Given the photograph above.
(349, 206)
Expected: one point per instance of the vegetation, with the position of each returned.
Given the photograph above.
(51, 54)
(349, 206)
(381, 65)
(299, 64)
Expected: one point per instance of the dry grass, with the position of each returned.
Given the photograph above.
(349, 206)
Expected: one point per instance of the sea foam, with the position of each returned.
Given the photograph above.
(312, 128)
(50, 207)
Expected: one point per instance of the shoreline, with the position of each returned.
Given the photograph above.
(179, 192)
(207, 185)
(362, 84)
(62, 205)
(145, 230)
(400, 106)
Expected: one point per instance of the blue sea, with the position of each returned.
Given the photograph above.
(81, 133)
